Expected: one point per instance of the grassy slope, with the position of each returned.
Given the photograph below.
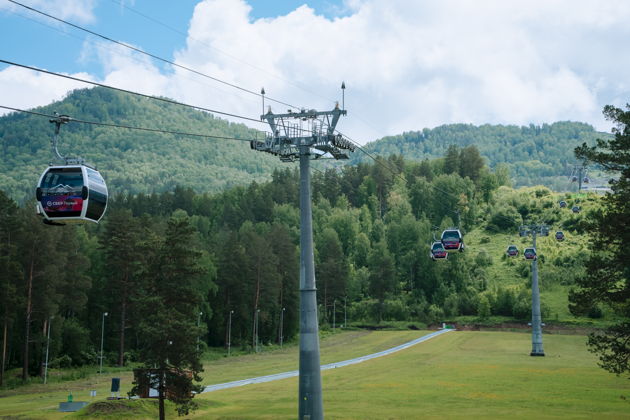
(40, 401)
(461, 374)
(555, 281)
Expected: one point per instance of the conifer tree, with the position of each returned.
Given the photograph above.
(170, 305)
(607, 277)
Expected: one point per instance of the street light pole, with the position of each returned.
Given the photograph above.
(281, 326)
(256, 332)
(229, 343)
(345, 319)
(334, 310)
(198, 324)
(47, 346)
(100, 370)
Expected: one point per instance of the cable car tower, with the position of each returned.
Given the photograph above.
(306, 135)
(579, 174)
(537, 344)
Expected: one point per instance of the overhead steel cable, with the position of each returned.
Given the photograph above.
(128, 127)
(188, 36)
(158, 98)
(131, 47)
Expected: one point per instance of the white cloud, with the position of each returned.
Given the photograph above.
(407, 64)
(80, 11)
(26, 89)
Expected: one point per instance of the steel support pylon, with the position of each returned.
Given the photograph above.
(311, 406)
(537, 344)
(312, 136)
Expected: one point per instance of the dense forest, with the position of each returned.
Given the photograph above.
(146, 162)
(534, 155)
(373, 225)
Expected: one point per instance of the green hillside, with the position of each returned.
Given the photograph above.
(144, 162)
(535, 155)
(131, 161)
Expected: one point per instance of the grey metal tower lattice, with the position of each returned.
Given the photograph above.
(306, 135)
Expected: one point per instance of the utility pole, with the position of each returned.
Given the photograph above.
(537, 344)
(311, 135)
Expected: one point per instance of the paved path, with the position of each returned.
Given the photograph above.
(293, 373)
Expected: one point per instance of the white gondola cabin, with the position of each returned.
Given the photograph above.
(452, 239)
(74, 193)
(438, 252)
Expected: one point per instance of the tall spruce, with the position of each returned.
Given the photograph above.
(170, 305)
(124, 257)
(43, 258)
(607, 277)
(10, 272)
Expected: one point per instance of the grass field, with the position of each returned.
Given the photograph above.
(460, 374)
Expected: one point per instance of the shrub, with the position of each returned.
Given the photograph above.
(483, 258)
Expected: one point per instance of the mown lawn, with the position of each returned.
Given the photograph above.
(460, 374)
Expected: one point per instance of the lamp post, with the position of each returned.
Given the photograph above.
(229, 343)
(100, 370)
(281, 325)
(257, 315)
(345, 319)
(47, 346)
(198, 324)
(334, 307)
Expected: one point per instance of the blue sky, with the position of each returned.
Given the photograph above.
(407, 64)
(42, 42)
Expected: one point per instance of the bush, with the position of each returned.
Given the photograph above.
(504, 302)
(434, 314)
(595, 312)
(504, 218)
(395, 310)
(76, 342)
(483, 307)
(64, 361)
(483, 258)
(522, 308)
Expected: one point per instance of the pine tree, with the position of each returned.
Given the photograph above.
(10, 271)
(124, 255)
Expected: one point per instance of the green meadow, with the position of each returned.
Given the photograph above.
(460, 374)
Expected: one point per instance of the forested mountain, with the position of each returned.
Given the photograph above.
(145, 162)
(534, 155)
(131, 161)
